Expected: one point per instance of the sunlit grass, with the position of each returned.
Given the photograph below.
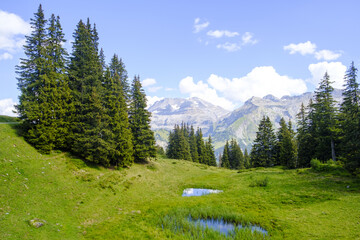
(81, 201)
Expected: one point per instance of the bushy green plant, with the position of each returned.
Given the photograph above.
(263, 182)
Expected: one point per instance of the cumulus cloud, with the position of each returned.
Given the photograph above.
(259, 82)
(148, 82)
(336, 71)
(327, 55)
(152, 100)
(12, 31)
(302, 48)
(310, 48)
(203, 91)
(248, 38)
(222, 33)
(229, 93)
(7, 107)
(199, 26)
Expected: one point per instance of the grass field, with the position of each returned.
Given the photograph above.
(80, 201)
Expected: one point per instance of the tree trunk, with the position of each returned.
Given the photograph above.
(333, 150)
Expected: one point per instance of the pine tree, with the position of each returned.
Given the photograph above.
(118, 67)
(262, 152)
(193, 145)
(225, 157)
(200, 146)
(56, 63)
(85, 73)
(324, 120)
(288, 147)
(247, 162)
(118, 129)
(210, 152)
(280, 160)
(143, 137)
(236, 157)
(350, 120)
(44, 99)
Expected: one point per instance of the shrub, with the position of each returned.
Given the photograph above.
(260, 182)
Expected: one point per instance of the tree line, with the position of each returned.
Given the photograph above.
(326, 130)
(77, 102)
(185, 143)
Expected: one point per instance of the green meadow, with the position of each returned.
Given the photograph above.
(76, 200)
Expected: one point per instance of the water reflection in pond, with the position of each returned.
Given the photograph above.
(225, 227)
(190, 192)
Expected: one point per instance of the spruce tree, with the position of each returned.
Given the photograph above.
(247, 162)
(288, 148)
(236, 157)
(225, 157)
(324, 120)
(43, 103)
(117, 66)
(61, 93)
(193, 145)
(350, 120)
(201, 146)
(280, 160)
(210, 152)
(85, 73)
(118, 129)
(143, 136)
(262, 153)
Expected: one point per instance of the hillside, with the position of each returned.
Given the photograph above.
(80, 201)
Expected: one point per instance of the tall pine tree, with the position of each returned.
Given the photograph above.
(350, 120)
(85, 73)
(143, 136)
(324, 120)
(263, 150)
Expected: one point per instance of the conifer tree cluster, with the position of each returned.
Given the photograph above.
(78, 103)
(233, 157)
(326, 131)
(185, 143)
(272, 149)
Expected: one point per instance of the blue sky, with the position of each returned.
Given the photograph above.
(221, 51)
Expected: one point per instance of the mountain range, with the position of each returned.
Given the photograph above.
(222, 124)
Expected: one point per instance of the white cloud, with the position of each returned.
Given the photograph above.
(302, 48)
(230, 47)
(169, 89)
(327, 55)
(247, 38)
(198, 27)
(260, 82)
(148, 82)
(203, 91)
(310, 48)
(6, 56)
(222, 33)
(12, 29)
(336, 71)
(152, 100)
(7, 107)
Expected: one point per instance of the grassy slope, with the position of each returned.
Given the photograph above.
(84, 202)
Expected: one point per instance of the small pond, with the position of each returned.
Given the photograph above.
(190, 192)
(225, 227)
